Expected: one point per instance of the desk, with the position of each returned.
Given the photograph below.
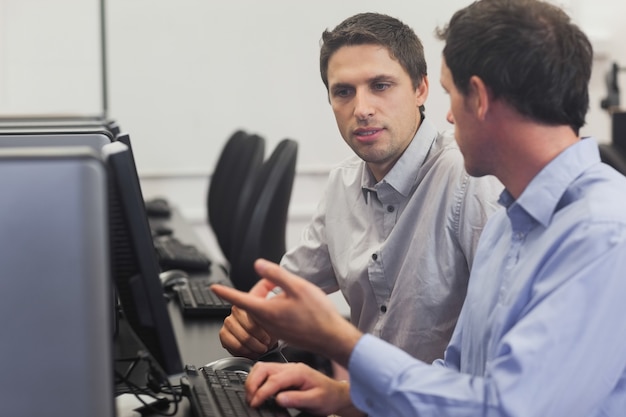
(197, 338)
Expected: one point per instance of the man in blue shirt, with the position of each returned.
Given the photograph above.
(542, 330)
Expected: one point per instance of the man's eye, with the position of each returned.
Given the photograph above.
(381, 86)
(344, 92)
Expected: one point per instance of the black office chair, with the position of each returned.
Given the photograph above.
(237, 167)
(610, 155)
(262, 219)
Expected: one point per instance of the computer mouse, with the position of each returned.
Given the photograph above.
(234, 363)
(173, 277)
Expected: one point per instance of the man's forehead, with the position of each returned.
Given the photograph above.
(360, 63)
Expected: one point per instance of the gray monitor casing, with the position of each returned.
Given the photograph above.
(55, 290)
(94, 139)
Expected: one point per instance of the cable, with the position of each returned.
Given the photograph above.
(156, 382)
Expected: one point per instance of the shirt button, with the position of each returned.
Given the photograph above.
(383, 308)
(374, 256)
(390, 209)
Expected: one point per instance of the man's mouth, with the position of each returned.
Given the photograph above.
(366, 135)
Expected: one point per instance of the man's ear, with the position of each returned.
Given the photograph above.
(480, 97)
(421, 92)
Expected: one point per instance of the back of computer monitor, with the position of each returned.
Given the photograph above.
(95, 140)
(134, 265)
(58, 123)
(55, 304)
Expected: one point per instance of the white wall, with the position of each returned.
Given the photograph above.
(184, 74)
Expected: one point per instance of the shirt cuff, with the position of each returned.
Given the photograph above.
(374, 364)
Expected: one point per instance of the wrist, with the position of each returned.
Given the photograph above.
(345, 338)
(346, 408)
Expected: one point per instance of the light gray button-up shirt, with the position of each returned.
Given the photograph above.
(400, 250)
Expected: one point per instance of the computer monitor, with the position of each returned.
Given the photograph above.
(94, 140)
(59, 123)
(55, 303)
(51, 130)
(134, 264)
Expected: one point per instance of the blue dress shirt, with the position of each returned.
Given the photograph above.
(543, 329)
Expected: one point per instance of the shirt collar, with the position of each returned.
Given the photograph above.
(403, 174)
(541, 196)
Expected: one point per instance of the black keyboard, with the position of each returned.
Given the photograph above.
(221, 393)
(196, 299)
(173, 254)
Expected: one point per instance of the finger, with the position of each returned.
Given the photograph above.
(300, 399)
(256, 377)
(242, 320)
(262, 288)
(234, 346)
(268, 379)
(240, 335)
(249, 332)
(321, 398)
(235, 297)
(277, 275)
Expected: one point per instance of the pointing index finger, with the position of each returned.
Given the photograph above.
(275, 273)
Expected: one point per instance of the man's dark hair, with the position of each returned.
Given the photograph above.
(527, 52)
(376, 29)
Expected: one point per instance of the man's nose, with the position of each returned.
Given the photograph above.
(449, 117)
(363, 107)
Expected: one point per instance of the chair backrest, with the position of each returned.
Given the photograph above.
(610, 155)
(237, 166)
(262, 219)
(618, 132)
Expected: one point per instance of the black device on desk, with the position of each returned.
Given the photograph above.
(158, 207)
(189, 285)
(196, 299)
(174, 254)
(217, 388)
(146, 348)
(194, 294)
(221, 393)
(134, 264)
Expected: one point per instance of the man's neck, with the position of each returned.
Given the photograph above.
(380, 171)
(527, 151)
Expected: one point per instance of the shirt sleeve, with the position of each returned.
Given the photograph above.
(310, 259)
(386, 381)
(563, 355)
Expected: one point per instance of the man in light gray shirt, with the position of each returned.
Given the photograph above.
(399, 222)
